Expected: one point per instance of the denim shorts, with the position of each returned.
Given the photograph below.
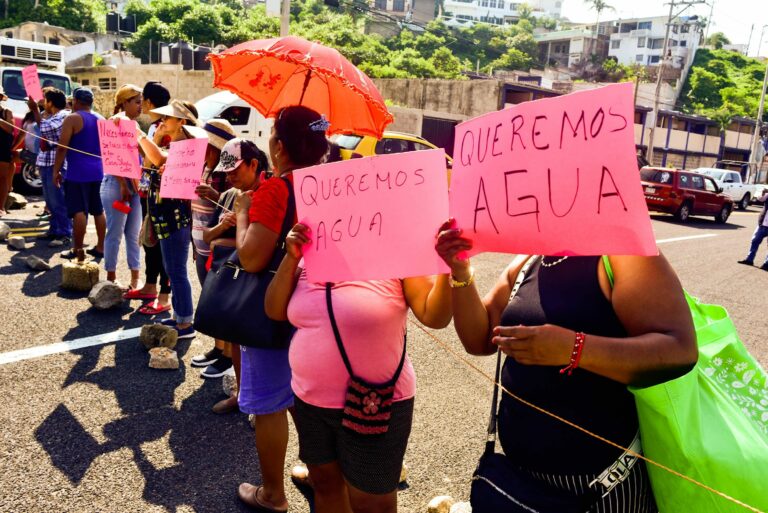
(265, 381)
(83, 197)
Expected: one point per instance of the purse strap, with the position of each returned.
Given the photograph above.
(490, 444)
(340, 345)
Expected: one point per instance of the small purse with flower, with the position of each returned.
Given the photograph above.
(367, 406)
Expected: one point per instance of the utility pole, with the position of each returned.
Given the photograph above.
(285, 18)
(660, 73)
(749, 41)
(753, 161)
(709, 21)
(760, 41)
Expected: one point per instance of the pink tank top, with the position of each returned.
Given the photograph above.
(371, 317)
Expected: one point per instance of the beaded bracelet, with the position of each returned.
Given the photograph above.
(578, 346)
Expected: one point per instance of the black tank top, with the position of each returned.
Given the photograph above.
(566, 295)
(6, 139)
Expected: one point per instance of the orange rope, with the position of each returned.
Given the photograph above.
(474, 367)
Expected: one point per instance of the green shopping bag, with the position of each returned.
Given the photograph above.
(710, 424)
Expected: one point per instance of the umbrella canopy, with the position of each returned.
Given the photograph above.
(271, 74)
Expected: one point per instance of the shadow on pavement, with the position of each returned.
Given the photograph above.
(698, 223)
(206, 455)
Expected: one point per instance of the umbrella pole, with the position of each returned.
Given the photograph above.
(306, 84)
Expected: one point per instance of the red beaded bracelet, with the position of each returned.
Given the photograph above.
(578, 346)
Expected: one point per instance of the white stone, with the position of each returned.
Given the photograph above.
(440, 504)
(163, 358)
(15, 201)
(461, 507)
(5, 231)
(106, 294)
(158, 335)
(229, 384)
(17, 242)
(36, 263)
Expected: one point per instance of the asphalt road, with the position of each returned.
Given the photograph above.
(94, 429)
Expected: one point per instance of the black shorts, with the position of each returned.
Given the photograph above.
(371, 464)
(83, 197)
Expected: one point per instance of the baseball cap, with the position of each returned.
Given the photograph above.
(83, 95)
(234, 152)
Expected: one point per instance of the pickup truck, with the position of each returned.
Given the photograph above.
(730, 181)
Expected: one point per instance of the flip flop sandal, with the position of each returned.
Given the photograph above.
(153, 308)
(249, 494)
(136, 294)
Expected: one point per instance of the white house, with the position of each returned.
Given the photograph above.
(641, 40)
(497, 12)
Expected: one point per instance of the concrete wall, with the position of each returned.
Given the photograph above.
(467, 98)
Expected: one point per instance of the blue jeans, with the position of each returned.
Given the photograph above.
(760, 233)
(175, 250)
(60, 223)
(119, 224)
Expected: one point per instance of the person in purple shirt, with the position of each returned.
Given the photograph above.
(79, 146)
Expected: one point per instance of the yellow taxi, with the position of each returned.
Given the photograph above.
(356, 146)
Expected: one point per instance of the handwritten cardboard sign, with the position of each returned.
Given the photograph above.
(553, 177)
(183, 169)
(119, 152)
(32, 82)
(373, 218)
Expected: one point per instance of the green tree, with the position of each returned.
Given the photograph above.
(446, 64)
(152, 32)
(717, 40)
(513, 59)
(705, 88)
(599, 6)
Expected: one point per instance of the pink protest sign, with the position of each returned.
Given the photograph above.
(553, 177)
(373, 218)
(119, 152)
(183, 169)
(32, 82)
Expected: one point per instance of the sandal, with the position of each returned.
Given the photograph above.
(249, 494)
(137, 294)
(154, 308)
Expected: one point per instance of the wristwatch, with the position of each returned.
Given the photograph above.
(461, 284)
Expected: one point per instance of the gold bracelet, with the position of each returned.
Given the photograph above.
(461, 284)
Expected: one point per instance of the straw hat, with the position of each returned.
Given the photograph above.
(219, 132)
(126, 92)
(176, 109)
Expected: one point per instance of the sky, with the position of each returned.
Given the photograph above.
(732, 17)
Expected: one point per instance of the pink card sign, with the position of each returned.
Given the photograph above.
(119, 151)
(553, 177)
(373, 218)
(32, 82)
(183, 169)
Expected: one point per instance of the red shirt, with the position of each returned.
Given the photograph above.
(269, 203)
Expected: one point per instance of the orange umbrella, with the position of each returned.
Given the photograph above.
(271, 74)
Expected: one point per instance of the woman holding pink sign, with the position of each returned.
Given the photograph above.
(121, 201)
(6, 141)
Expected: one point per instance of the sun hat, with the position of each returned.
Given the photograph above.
(219, 132)
(176, 109)
(126, 92)
(233, 153)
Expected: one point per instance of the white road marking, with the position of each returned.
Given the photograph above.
(70, 345)
(689, 237)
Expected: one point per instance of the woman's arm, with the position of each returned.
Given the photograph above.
(152, 151)
(430, 299)
(648, 300)
(8, 128)
(214, 232)
(284, 282)
(255, 242)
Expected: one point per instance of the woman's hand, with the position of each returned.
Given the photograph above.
(243, 202)
(535, 345)
(205, 191)
(296, 239)
(229, 220)
(125, 193)
(450, 245)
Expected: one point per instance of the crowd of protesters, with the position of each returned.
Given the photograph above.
(639, 330)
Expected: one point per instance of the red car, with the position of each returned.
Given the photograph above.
(684, 194)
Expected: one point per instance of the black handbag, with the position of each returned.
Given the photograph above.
(500, 486)
(231, 306)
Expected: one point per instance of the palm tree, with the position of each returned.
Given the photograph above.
(599, 6)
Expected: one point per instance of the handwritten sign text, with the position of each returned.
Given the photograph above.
(183, 169)
(119, 151)
(32, 82)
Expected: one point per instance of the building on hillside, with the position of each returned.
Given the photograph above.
(463, 13)
(79, 47)
(395, 14)
(568, 48)
(641, 41)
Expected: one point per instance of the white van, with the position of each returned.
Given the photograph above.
(246, 120)
(13, 85)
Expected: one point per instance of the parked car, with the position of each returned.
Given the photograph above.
(730, 181)
(353, 146)
(246, 120)
(684, 194)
